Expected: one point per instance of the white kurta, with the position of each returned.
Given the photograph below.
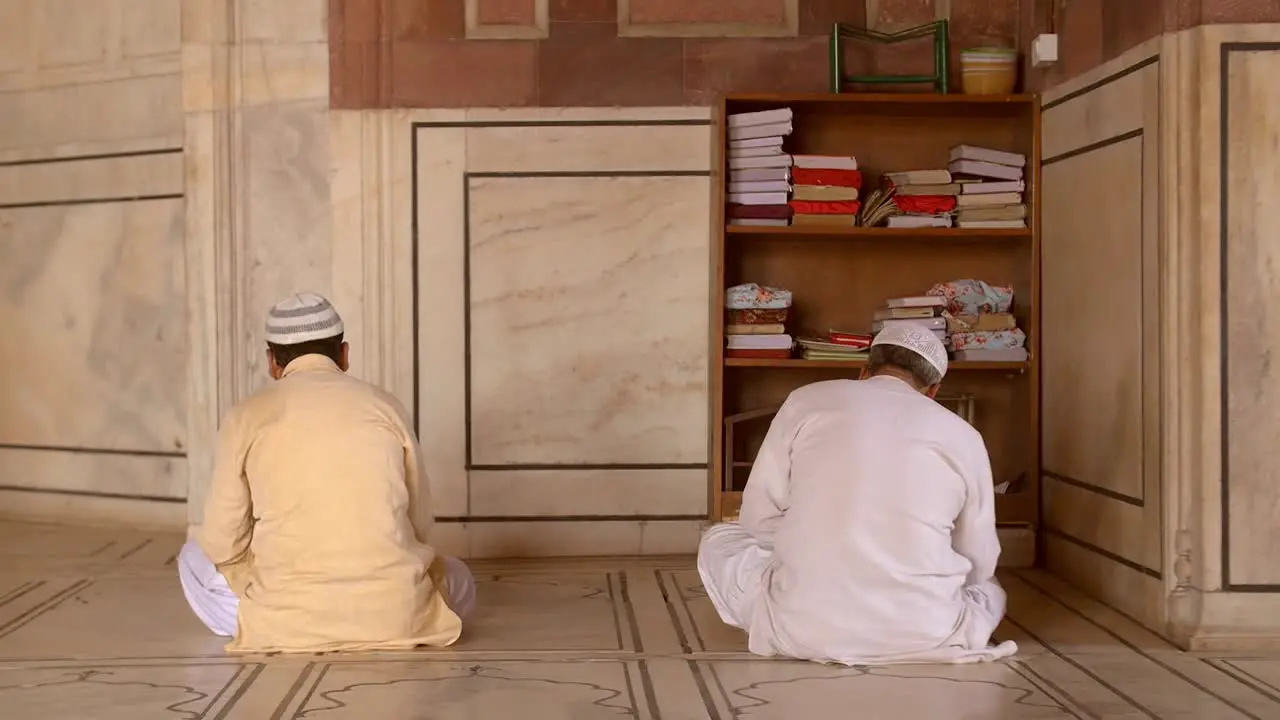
(867, 533)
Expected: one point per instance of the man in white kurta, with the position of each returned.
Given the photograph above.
(867, 532)
(316, 533)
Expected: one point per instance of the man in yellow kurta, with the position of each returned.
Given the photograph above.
(317, 521)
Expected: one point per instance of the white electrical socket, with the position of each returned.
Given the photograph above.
(1044, 50)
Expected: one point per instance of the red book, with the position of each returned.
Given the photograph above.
(781, 354)
(924, 204)
(813, 207)
(830, 178)
(861, 341)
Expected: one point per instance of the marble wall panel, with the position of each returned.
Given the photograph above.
(92, 299)
(1251, 322)
(582, 347)
(1103, 414)
(121, 115)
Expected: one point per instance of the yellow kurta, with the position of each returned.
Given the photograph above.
(310, 517)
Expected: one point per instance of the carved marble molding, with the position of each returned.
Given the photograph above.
(370, 197)
(249, 70)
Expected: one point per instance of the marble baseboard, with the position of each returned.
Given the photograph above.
(585, 492)
(76, 471)
(567, 538)
(89, 510)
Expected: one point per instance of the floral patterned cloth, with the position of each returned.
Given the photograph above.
(988, 340)
(751, 295)
(973, 297)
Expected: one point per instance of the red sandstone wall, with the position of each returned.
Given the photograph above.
(1091, 32)
(429, 53)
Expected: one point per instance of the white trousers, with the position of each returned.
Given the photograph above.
(735, 571)
(217, 606)
(733, 565)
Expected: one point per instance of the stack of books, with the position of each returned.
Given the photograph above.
(836, 345)
(991, 188)
(923, 311)
(759, 168)
(755, 323)
(924, 198)
(826, 190)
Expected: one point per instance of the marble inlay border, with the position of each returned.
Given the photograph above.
(415, 261)
(94, 156)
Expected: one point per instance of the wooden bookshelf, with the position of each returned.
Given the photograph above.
(839, 276)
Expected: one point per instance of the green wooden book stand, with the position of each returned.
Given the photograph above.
(941, 41)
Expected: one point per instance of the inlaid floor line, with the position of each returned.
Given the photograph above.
(50, 603)
(25, 588)
(1139, 651)
(1244, 677)
(129, 553)
(1080, 667)
(240, 671)
(681, 637)
(1025, 577)
(646, 686)
(1050, 689)
(637, 642)
(303, 674)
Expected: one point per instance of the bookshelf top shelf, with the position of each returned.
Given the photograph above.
(800, 364)
(780, 232)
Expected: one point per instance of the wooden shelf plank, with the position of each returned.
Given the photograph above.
(950, 99)
(800, 363)
(882, 232)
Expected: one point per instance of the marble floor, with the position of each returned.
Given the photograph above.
(93, 626)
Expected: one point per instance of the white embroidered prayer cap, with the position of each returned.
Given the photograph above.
(918, 340)
(302, 317)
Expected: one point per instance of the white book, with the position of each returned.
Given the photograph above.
(826, 162)
(764, 186)
(756, 152)
(760, 222)
(989, 200)
(993, 224)
(756, 142)
(984, 188)
(760, 342)
(920, 221)
(916, 301)
(758, 131)
(769, 198)
(977, 168)
(768, 161)
(761, 117)
(933, 323)
(760, 174)
(999, 157)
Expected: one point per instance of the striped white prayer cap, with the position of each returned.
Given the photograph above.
(302, 317)
(921, 341)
